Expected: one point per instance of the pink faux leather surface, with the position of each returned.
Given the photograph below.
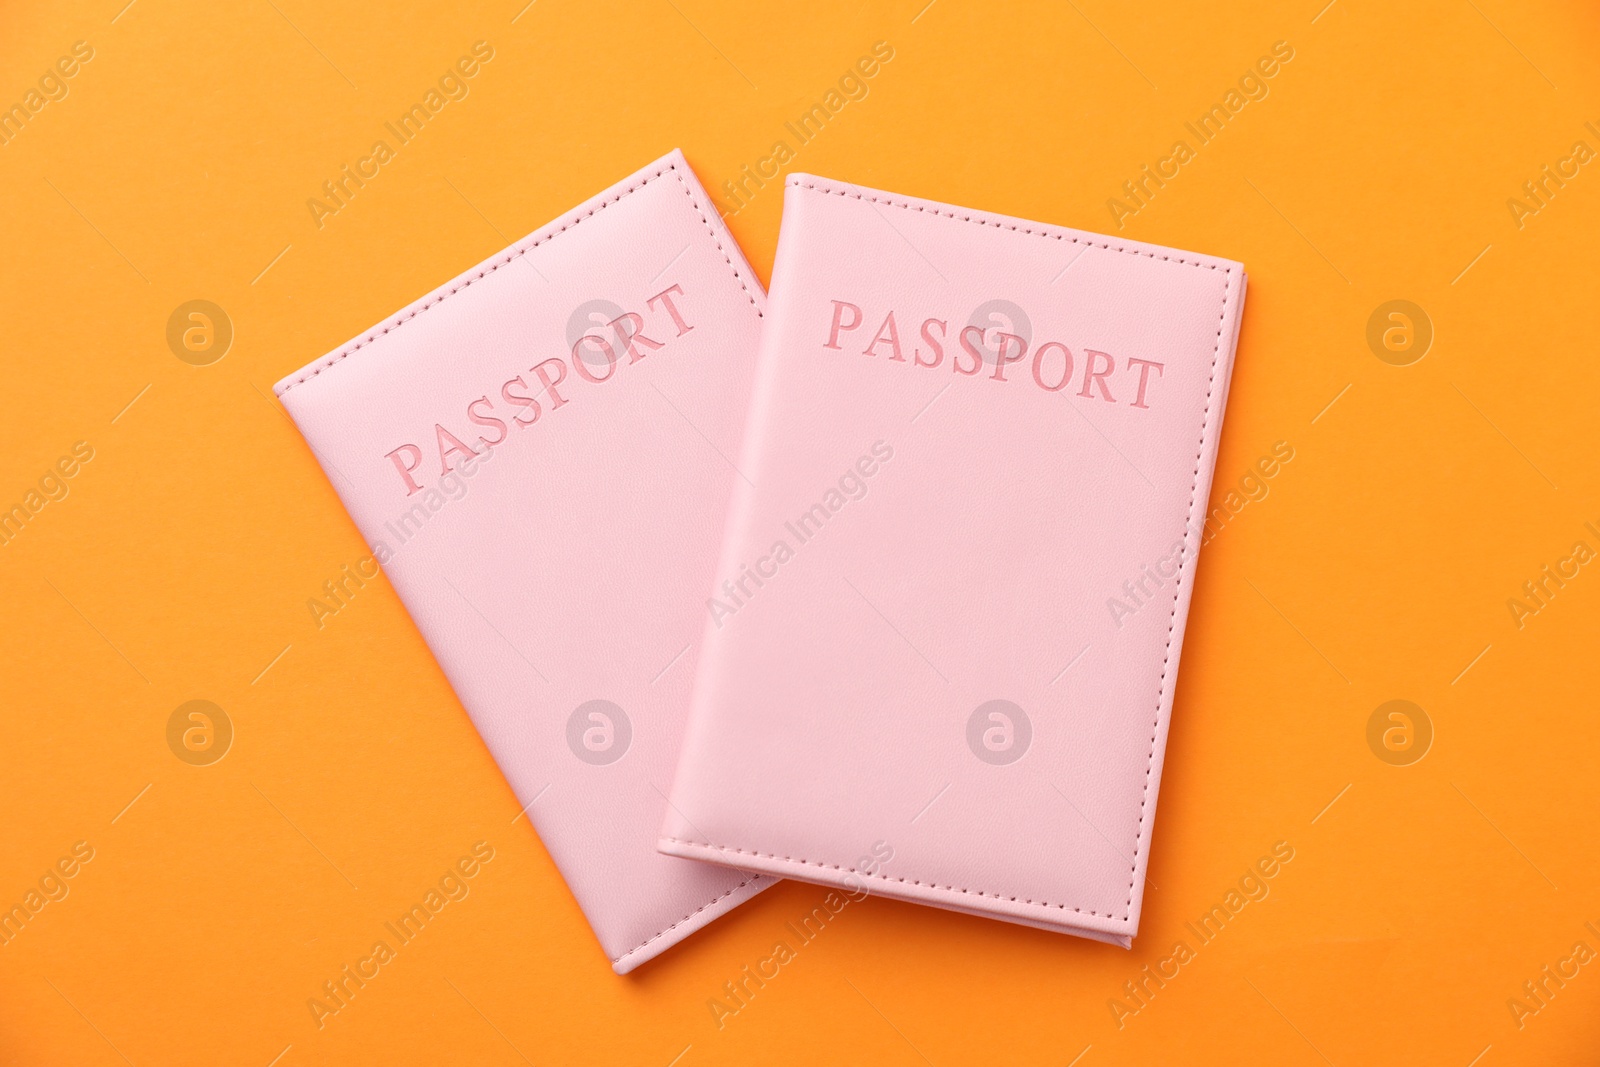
(567, 563)
(915, 542)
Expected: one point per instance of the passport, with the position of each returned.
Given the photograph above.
(969, 435)
(539, 453)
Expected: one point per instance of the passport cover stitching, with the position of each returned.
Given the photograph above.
(668, 929)
(523, 249)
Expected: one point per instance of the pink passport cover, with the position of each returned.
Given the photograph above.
(971, 437)
(600, 370)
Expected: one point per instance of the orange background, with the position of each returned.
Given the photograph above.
(1378, 567)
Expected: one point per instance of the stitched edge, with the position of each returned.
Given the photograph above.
(520, 250)
(1172, 620)
(983, 219)
(886, 878)
(668, 929)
